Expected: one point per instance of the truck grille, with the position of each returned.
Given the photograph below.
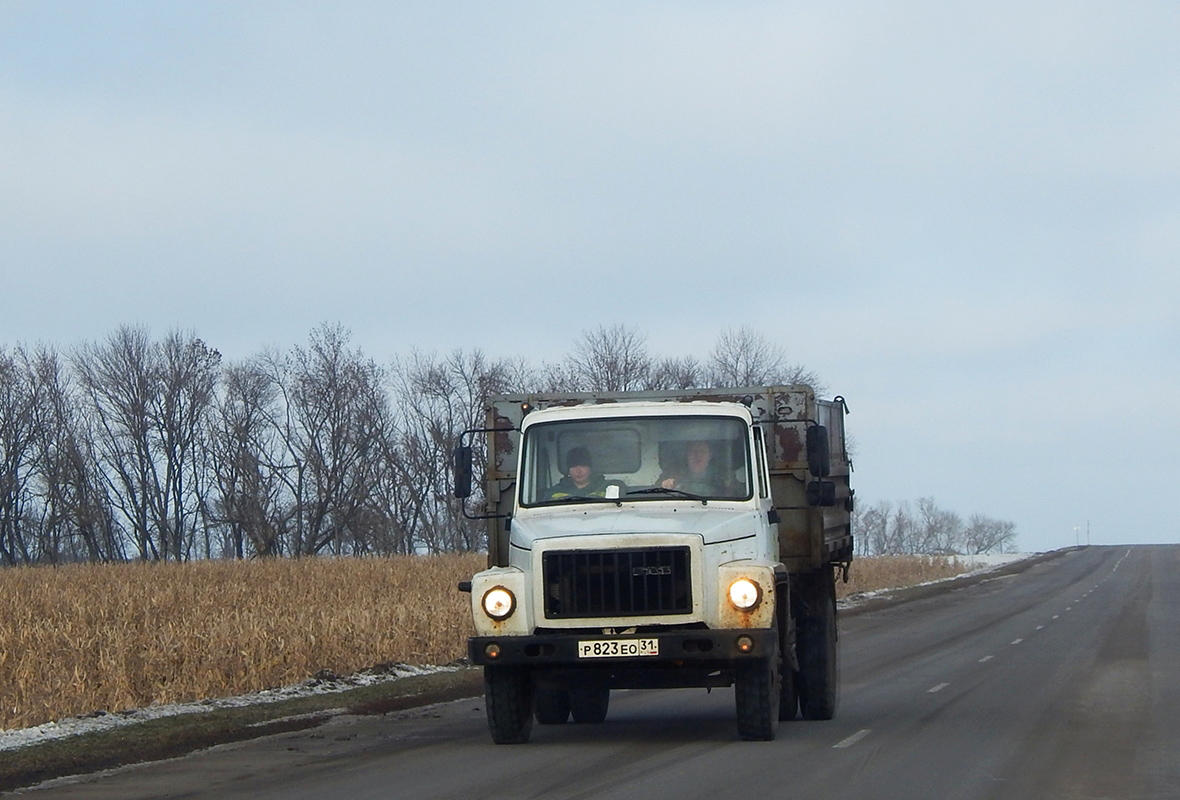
(617, 583)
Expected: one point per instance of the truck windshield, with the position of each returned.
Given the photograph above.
(644, 458)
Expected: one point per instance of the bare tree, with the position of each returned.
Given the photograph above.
(325, 429)
(903, 532)
(119, 380)
(561, 376)
(187, 374)
(938, 531)
(984, 534)
(927, 529)
(676, 373)
(17, 439)
(78, 521)
(364, 526)
(611, 359)
(744, 357)
(150, 404)
(870, 526)
(439, 398)
(247, 462)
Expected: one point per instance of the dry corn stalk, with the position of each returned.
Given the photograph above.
(79, 638)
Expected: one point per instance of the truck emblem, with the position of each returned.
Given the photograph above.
(638, 571)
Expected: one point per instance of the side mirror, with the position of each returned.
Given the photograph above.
(462, 472)
(819, 456)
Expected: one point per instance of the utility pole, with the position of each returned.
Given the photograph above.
(1087, 533)
(1077, 537)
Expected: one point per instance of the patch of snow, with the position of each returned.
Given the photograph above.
(324, 682)
(976, 565)
(989, 561)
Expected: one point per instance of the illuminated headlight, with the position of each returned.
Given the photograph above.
(499, 603)
(745, 594)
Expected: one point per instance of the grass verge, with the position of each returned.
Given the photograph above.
(170, 737)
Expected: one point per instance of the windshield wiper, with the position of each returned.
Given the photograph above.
(665, 490)
(575, 498)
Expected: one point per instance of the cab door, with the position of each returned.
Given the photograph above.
(766, 514)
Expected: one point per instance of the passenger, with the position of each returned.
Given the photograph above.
(696, 478)
(579, 480)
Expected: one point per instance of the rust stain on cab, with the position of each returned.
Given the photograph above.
(790, 444)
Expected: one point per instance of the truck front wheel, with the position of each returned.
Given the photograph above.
(508, 695)
(589, 705)
(757, 688)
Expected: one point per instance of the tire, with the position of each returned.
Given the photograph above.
(788, 697)
(589, 706)
(552, 706)
(788, 702)
(508, 696)
(818, 653)
(757, 693)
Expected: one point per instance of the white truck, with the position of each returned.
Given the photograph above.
(660, 540)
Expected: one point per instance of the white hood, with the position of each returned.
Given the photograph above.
(714, 523)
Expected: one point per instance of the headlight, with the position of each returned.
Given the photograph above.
(499, 603)
(745, 594)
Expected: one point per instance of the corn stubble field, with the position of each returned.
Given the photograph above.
(81, 638)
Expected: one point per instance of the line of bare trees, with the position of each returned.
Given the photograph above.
(134, 448)
(923, 528)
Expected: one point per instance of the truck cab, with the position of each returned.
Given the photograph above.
(637, 545)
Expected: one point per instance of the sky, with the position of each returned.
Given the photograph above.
(964, 217)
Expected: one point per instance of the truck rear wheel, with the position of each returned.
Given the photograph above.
(788, 696)
(553, 706)
(757, 691)
(818, 669)
(589, 705)
(508, 695)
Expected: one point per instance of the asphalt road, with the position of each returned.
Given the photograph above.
(1062, 681)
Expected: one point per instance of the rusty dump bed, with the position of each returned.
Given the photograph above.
(809, 536)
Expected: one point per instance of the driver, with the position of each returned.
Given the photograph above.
(696, 478)
(580, 480)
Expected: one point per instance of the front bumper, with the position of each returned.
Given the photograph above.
(697, 648)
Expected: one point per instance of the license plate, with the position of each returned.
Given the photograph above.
(618, 648)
